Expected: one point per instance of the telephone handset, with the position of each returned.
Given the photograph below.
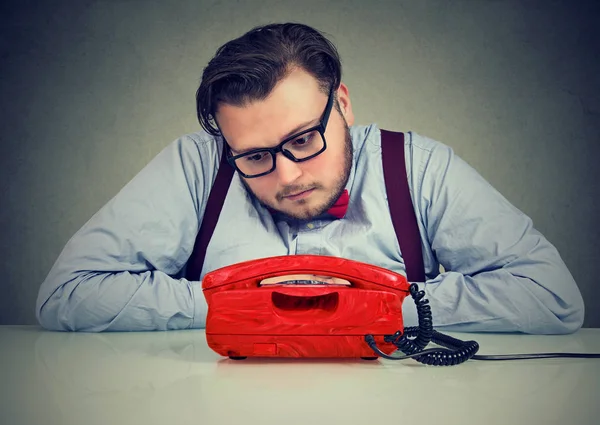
(319, 306)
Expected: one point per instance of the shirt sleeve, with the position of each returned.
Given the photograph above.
(501, 274)
(119, 271)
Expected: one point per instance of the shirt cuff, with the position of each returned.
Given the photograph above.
(200, 306)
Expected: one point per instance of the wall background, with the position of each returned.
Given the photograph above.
(90, 91)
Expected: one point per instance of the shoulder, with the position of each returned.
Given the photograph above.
(199, 142)
(421, 152)
(370, 135)
(197, 153)
(431, 165)
(193, 158)
(423, 148)
(425, 154)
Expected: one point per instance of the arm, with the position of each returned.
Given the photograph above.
(117, 272)
(501, 274)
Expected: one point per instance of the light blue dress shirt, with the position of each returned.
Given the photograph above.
(123, 269)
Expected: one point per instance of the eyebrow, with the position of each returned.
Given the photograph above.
(295, 130)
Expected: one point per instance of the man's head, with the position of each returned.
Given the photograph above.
(265, 90)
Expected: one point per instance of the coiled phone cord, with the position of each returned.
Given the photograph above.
(414, 339)
(457, 351)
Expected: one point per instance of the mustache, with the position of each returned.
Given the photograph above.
(294, 189)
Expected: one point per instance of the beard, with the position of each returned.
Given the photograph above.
(339, 186)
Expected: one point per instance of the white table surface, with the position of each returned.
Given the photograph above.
(174, 378)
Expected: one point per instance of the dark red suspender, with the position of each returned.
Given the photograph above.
(401, 208)
(211, 216)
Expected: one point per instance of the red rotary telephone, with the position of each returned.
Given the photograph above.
(319, 306)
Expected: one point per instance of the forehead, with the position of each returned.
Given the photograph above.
(294, 101)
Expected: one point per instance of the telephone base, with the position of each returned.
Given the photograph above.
(238, 347)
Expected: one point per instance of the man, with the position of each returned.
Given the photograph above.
(274, 103)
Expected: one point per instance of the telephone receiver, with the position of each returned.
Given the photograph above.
(320, 306)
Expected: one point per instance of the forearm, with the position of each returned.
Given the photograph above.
(123, 301)
(500, 301)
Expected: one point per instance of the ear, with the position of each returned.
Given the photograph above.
(343, 96)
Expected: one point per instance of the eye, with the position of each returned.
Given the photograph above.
(259, 156)
(304, 140)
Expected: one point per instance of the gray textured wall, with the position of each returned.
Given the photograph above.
(92, 90)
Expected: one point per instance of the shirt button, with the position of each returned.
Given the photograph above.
(310, 225)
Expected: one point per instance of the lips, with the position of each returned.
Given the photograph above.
(299, 195)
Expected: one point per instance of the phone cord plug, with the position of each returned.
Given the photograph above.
(414, 339)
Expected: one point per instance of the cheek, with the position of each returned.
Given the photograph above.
(331, 162)
(262, 188)
(267, 189)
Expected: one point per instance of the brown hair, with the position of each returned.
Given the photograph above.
(247, 68)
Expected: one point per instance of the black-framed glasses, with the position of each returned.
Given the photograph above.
(300, 147)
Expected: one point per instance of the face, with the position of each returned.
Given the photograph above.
(298, 189)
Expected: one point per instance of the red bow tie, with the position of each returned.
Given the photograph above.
(340, 207)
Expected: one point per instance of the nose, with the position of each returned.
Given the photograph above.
(287, 170)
